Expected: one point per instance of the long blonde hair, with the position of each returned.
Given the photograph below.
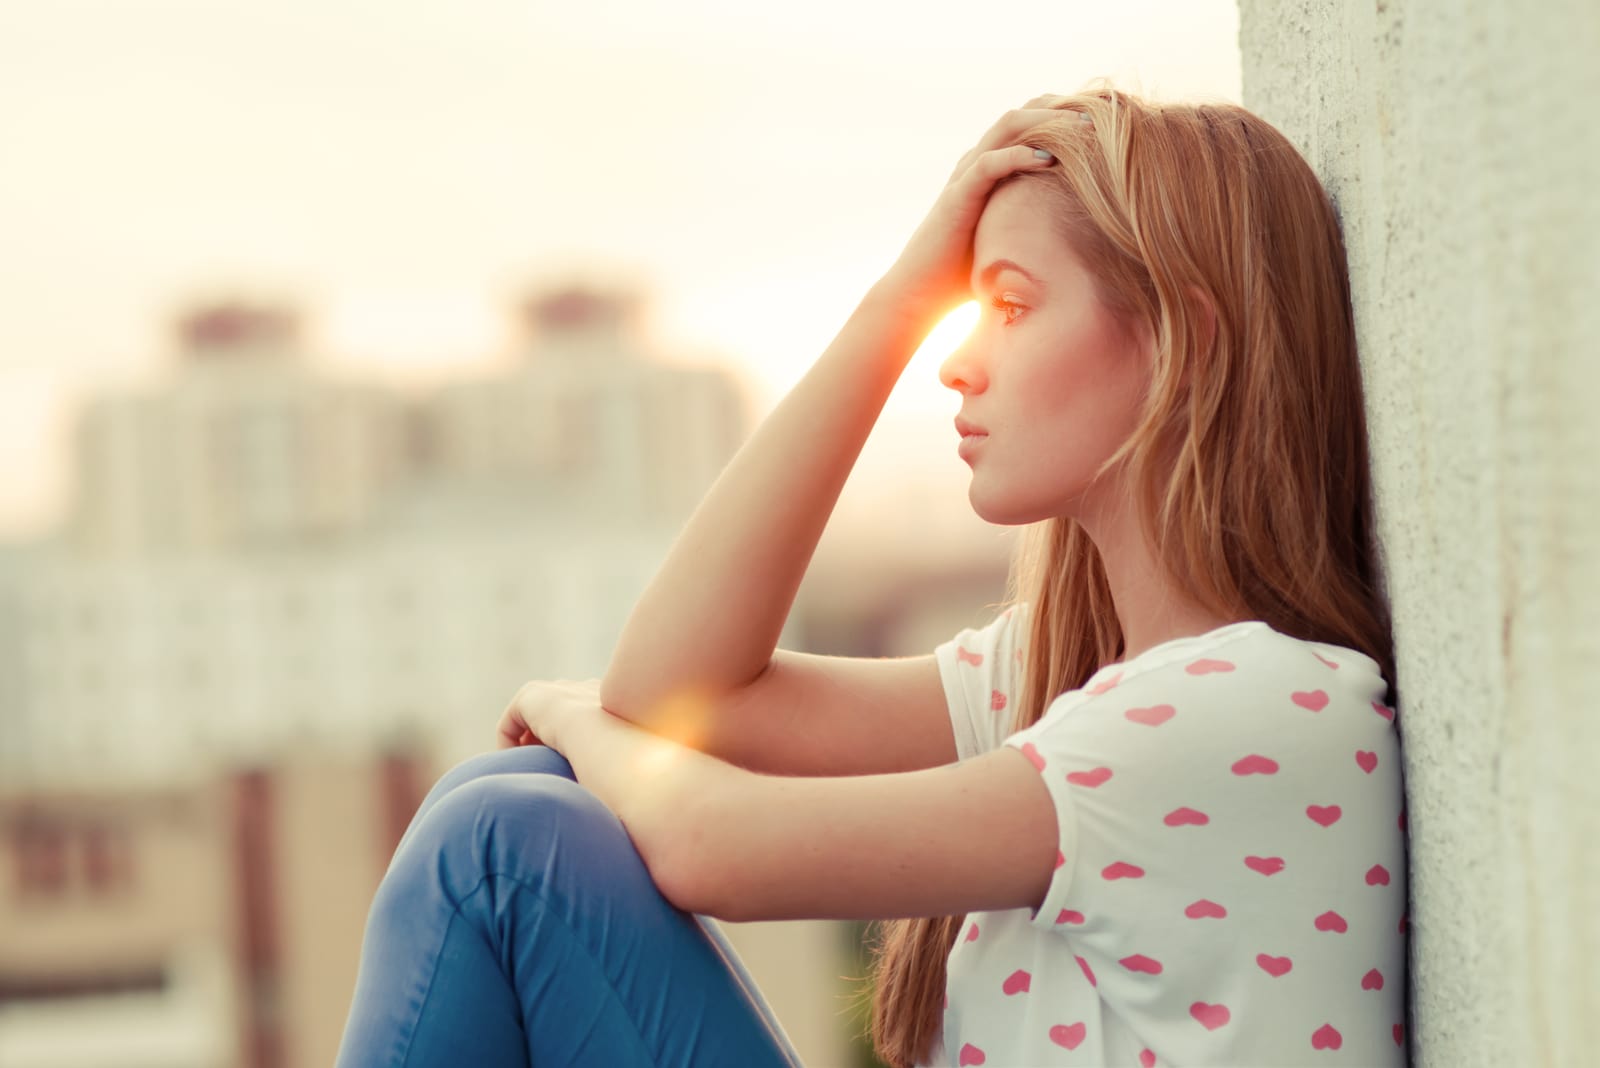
(1250, 457)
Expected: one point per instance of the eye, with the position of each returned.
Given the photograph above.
(1006, 307)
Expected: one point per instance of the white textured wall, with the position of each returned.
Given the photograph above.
(1461, 143)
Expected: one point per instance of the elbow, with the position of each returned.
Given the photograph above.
(614, 695)
(684, 882)
(627, 698)
(686, 865)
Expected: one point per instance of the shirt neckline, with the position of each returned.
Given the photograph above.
(1214, 636)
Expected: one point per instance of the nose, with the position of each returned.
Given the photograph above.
(963, 372)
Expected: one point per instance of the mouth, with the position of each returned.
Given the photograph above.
(971, 437)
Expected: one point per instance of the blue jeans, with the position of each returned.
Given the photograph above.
(518, 926)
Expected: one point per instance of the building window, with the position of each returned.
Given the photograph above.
(107, 859)
(39, 855)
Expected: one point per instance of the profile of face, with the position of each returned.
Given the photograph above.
(1050, 385)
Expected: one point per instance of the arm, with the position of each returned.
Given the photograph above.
(696, 659)
(737, 845)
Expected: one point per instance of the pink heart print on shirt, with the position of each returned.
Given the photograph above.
(1325, 660)
(1186, 816)
(1255, 764)
(1147, 1058)
(1138, 962)
(1383, 710)
(997, 701)
(1035, 757)
(1366, 759)
(1068, 1036)
(1101, 687)
(1018, 982)
(1331, 921)
(972, 933)
(967, 657)
(1264, 865)
(1204, 909)
(1154, 716)
(1377, 875)
(1091, 778)
(1088, 972)
(1326, 1037)
(1211, 1017)
(1312, 701)
(1208, 667)
(1324, 815)
(1274, 966)
(1070, 916)
(1121, 869)
(1373, 980)
(970, 1054)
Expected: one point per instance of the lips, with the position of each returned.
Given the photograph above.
(967, 430)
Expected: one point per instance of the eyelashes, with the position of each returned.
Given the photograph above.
(1006, 307)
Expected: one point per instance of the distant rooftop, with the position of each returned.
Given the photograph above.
(232, 329)
(579, 310)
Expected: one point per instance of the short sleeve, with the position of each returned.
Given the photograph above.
(1231, 875)
(1122, 764)
(981, 669)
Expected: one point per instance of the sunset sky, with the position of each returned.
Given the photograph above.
(404, 170)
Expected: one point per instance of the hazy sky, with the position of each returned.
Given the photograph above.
(404, 169)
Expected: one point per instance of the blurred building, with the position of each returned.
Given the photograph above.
(212, 921)
(261, 558)
(245, 446)
(590, 415)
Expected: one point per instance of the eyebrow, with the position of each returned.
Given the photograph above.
(988, 274)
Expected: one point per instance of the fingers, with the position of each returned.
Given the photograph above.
(973, 186)
(1010, 127)
(511, 729)
(1014, 123)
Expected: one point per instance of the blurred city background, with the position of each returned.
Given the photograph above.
(360, 363)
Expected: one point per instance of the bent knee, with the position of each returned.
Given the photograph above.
(496, 823)
(526, 759)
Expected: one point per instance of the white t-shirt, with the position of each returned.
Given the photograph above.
(1231, 886)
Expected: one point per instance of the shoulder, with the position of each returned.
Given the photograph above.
(1239, 667)
(1244, 697)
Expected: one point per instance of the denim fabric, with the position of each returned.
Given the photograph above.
(517, 926)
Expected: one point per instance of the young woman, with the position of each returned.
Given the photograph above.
(1151, 815)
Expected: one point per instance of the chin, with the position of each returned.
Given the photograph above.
(1016, 511)
(1003, 513)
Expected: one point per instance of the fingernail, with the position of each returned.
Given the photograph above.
(1040, 153)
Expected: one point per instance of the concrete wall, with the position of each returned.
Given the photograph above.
(1461, 143)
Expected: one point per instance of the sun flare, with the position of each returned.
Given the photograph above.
(920, 382)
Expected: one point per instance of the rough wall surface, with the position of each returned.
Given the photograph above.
(1461, 143)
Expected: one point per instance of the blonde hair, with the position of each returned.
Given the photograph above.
(1250, 456)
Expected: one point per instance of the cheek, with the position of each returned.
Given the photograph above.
(1087, 410)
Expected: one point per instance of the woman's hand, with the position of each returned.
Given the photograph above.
(931, 275)
(537, 712)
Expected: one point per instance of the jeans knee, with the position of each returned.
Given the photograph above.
(508, 823)
(527, 759)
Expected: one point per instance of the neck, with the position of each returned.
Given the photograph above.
(1151, 607)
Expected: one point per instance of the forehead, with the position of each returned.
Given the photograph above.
(1016, 226)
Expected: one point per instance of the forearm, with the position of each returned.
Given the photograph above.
(653, 785)
(710, 620)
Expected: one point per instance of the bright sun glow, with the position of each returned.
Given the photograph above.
(920, 382)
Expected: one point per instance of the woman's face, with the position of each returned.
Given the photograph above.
(1050, 386)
